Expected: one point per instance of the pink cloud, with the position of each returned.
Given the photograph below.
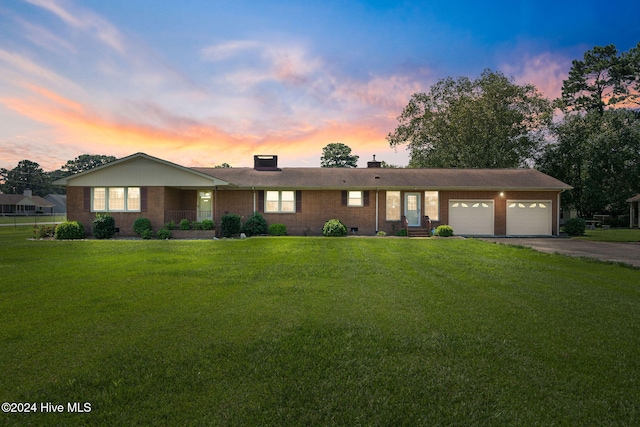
(545, 71)
(191, 141)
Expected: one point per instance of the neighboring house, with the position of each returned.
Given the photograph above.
(634, 211)
(24, 204)
(519, 202)
(59, 202)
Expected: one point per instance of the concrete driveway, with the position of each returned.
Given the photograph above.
(628, 253)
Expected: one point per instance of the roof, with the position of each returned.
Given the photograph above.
(141, 169)
(21, 199)
(153, 171)
(635, 198)
(388, 178)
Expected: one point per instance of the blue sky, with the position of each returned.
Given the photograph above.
(206, 82)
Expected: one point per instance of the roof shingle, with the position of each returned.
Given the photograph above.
(436, 179)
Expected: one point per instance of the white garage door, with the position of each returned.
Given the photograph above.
(529, 217)
(471, 217)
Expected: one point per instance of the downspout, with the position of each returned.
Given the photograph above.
(558, 215)
(254, 199)
(377, 214)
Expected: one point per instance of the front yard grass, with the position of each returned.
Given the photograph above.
(621, 235)
(316, 331)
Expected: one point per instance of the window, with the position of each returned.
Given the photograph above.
(116, 199)
(99, 199)
(354, 198)
(133, 199)
(431, 205)
(393, 206)
(280, 201)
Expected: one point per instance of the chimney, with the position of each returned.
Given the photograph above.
(265, 163)
(27, 192)
(374, 163)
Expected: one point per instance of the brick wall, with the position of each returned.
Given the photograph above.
(123, 220)
(317, 207)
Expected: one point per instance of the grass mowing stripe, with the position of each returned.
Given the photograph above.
(290, 331)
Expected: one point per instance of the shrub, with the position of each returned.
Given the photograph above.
(171, 225)
(163, 234)
(185, 224)
(69, 230)
(255, 225)
(141, 225)
(195, 225)
(619, 222)
(147, 234)
(381, 233)
(278, 230)
(208, 224)
(104, 227)
(334, 228)
(444, 231)
(574, 226)
(402, 233)
(43, 231)
(230, 225)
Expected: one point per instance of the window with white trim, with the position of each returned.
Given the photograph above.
(280, 201)
(431, 205)
(354, 198)
(393, 206)
(115, 199)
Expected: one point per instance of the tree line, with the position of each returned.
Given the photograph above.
(29, 175)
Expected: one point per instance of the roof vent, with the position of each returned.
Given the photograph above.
(374, 163)
(265, 163)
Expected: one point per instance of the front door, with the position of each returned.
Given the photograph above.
(412, 209)
(205, 205)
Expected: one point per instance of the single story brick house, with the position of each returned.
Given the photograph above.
(480, 202)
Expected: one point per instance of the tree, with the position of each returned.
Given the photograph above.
(338, 155)
(599, 155)
(602, 78)
(85, 162)
(223, 166)
(489, 122)
(27, 174)
(632, 59)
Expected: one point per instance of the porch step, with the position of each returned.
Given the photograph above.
(419, 232)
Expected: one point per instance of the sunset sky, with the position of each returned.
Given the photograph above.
(204, 82)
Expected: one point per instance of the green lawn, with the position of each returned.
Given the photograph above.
(316, 331)
(612, 235)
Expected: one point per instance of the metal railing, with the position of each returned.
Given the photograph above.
(189, 215)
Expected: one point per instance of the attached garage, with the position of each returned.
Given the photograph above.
(471, 217)
(529, 217)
